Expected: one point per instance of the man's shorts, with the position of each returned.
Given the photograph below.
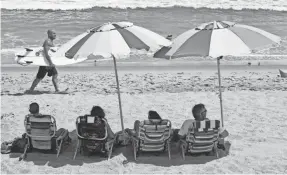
(43, 70)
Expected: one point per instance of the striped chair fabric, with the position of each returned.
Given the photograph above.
(153, 135)
(202, 137)
(41, 129)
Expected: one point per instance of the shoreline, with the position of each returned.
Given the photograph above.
(163, 65)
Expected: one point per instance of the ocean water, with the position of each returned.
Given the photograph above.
(24, 22)
(278, 5)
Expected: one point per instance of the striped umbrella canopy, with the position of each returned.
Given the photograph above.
(116, 38)
(112, 40)
(218, 38)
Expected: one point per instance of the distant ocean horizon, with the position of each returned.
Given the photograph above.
(277, 5)
(24, 22)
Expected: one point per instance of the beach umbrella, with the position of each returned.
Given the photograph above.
(113, 40)
(217, 39)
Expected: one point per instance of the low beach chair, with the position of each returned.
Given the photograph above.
(283, 73)
(42, 134)
(92, 135)
(202, 138)
(153, 136)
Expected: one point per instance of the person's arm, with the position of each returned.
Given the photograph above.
(110, 132)
(183, 130)
(46, 47)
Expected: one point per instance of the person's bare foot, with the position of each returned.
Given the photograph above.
(58, 91)
(29, 91)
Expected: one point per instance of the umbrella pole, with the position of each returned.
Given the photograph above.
(220, 95)
(119, 95)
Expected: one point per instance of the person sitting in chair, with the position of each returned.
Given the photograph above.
(18, 144)
(152, 115)
(99, 112)
(199, 113)
(34, 110)
(169, 37)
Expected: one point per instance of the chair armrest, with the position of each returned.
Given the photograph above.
(134, 137)
(182, 141)
(111, 141)
(63, 135)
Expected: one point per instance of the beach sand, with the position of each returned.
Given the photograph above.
(254, 103)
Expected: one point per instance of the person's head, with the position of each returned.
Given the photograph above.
(199, 112)
(169, 37)
(98, 111)
(153, 115)
(51, 34)
(34, 108)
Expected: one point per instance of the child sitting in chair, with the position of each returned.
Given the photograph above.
(152, 115)
(34, 110)
(18, 144)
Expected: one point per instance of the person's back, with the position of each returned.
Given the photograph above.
(152, 116)
(34, 110)
(96, 129)
(99, 123)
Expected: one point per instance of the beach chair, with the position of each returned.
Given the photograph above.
(92, 135)
(283, 73)
(41, 133)
(153, 136)
(202, 138)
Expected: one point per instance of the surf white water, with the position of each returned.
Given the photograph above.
(277, 5)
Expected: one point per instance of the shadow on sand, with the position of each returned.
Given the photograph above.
(158, 159)
(161, 159)
(37, 93)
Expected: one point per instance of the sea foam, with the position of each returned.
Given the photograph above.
(276, 5)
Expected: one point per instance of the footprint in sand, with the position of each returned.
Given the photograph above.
(236, 137)
(234, 168)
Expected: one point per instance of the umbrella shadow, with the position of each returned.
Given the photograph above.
(42, 158)
(37, 93)
(161, 159)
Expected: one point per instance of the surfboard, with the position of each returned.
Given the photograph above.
(35, 56)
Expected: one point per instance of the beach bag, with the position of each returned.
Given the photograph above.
(15, 146)
(18, 145)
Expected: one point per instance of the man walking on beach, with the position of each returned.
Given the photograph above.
(51, 69)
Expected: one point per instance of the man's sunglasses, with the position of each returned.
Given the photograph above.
(204, 111)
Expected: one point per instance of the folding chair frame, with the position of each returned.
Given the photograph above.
(108, 144)
(28, 146)
(136, 142)
(185, 145)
